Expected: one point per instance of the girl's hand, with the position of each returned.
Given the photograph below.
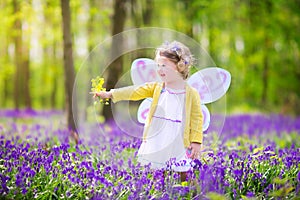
(195, 150)
(102, 94)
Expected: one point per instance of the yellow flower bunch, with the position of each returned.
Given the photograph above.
(97, 86)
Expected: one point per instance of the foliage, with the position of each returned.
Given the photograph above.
(257, 43)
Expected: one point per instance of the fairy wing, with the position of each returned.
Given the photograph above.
(211, 83)
(144, 70)
(143, 110)
(206, 117)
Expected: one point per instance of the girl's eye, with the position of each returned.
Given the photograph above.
(163, 65)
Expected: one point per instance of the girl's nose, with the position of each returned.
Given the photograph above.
(159, 68)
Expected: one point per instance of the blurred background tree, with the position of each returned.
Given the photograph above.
(69, 71)
(257, 41)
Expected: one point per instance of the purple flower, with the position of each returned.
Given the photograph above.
(250, 194)
(231, 168)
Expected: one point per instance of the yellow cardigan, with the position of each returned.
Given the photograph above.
(194, 117)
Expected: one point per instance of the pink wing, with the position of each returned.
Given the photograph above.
(144, 70)
(143, 110)
(212, 83)
(206, 117)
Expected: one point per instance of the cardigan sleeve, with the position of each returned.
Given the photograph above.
(196, 122)
(133, 93)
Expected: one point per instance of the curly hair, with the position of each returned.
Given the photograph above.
(179, 54)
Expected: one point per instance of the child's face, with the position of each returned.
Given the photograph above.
(167, 70)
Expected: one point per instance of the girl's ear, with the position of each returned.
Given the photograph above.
(181, 66)
(183, 69)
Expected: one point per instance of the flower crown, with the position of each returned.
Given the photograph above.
(179, 54)
(179, 50)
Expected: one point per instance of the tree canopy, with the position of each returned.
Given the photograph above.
(257, 41)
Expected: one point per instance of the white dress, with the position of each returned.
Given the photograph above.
(164, 147)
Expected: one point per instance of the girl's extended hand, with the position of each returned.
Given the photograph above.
(102, 94)
(195, 150)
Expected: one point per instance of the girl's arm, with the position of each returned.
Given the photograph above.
(133, 93)
(128, 93)
(196, 119)
(195, 150)
(102, 94)
(196, 136)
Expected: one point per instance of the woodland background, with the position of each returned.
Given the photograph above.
(44, 42)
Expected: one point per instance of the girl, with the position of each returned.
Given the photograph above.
(172, 134)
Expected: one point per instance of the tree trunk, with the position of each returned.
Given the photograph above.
(91, 45)
(212, 38)
(147, 15)
(267, 49)
(7, 78)
(115, 69)
(55, 76)
(189, 16)
(69, 70)
(5, 91)
(265, 72)
(141, 14)
(18, 53)
(21, 79)
(26, 75)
